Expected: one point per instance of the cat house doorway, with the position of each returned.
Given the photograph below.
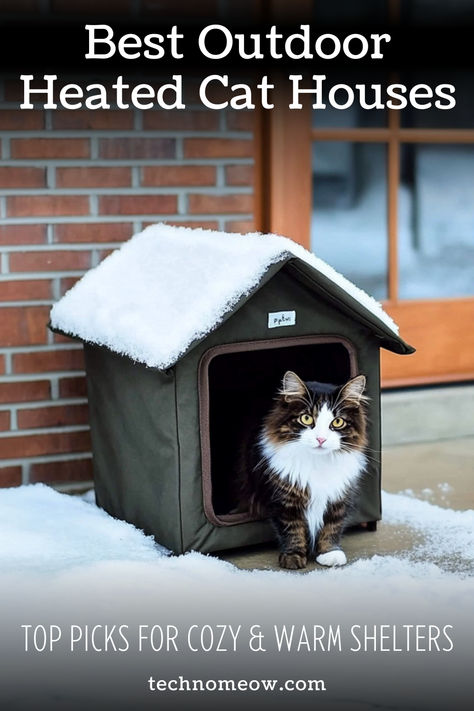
(237, 383)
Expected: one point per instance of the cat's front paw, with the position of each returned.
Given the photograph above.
(332, 558)
(292, 561)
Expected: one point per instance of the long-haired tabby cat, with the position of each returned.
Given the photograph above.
(303, 466)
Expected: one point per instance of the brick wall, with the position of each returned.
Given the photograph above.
(73, 186)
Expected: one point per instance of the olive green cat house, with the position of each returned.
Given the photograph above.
(187, 334)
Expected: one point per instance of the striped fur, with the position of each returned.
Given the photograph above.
(302, 471)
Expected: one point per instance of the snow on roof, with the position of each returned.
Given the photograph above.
(169, 286)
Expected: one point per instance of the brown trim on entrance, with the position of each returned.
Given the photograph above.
(203, 394)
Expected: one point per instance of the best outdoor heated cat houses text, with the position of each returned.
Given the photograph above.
(187, 334)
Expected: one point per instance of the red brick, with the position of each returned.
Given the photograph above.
(49, 148)
(220, 203)
(65, 284)
(137, 204)
(68, 470)
(240, 120)
(21, 120)
(46, 205)
(47, 261)
(10, 476)
(93, 232)
(104, 253)
(22, 234)
(178, 175)
(129, 148)
(73, 387)
(243, 226)
(23, 325)
(25, 290)
(48, 361)
(239, 174)
(42, 444)
(2, 363)
(59, 338)
(95, 120)
(14, 177)
(4, 420)
(181, 120)
(27, 391)
(14, 91)
(55, 416)
(94, 177)
(217, 148)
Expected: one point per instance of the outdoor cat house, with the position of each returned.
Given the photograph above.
(187, 334)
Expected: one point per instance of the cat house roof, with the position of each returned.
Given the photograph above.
(168, 287)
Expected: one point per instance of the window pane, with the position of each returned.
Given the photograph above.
(349, 220)
(460, 116)
(436, 221)
(354, 116)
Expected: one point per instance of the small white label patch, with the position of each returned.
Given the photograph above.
(281, 318)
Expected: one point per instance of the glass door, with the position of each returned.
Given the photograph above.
(390, 198)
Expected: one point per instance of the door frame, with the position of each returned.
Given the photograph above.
(438, 328)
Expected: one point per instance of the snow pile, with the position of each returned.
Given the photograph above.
(168, 286)
(43, 532)
(67, 563)
(447, 534)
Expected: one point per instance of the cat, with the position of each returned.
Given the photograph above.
(302, 467)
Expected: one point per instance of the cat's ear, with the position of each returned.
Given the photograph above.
(292, 387)
(353, 391)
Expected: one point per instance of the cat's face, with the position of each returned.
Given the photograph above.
(322, 418)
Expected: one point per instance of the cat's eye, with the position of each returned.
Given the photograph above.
(306, 420)
(338, 423)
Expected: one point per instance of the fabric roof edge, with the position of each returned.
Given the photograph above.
(389, 339)
(329, 289)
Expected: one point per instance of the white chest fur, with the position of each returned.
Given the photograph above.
(328, 475)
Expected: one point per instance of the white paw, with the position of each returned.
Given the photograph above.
(331, 558)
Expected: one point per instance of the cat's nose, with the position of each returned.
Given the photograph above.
(321, 440)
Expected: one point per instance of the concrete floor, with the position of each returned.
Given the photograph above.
(440, 472)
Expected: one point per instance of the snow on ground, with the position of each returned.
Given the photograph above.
(63, 561)
(448, 535)
(168, 286)
(44, 532)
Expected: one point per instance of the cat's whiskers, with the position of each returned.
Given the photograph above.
(347, 448)
(306, 493)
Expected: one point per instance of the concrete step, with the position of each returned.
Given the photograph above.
(427, 414)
